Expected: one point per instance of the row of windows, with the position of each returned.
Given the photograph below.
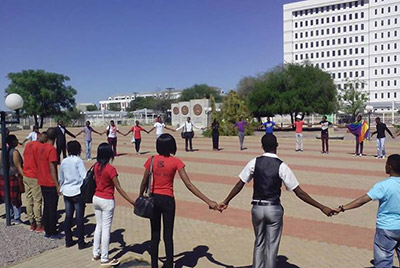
(388, 71)
(388, 83)
(388, 47)
(333, 53)
(328, 42)
(345, 75)
(357, 86)
(328, 31)
(389, 58)
(388, 34)
(328, 8)
(332, 19)
(389, 9)
(388, 95)
(383, 22)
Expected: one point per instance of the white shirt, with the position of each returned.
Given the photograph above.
(71, 175)
(159, 128)
(113, 131)
(285, 173)
(188, 126)
(33, 136)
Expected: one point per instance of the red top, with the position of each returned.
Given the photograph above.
(45, 154)
(104, 181)
(164, 169)
(299, 126)
(30, 168)
(136, 130)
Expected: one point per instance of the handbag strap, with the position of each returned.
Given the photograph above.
(148, 189)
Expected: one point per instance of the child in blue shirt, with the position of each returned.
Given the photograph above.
(387, 236)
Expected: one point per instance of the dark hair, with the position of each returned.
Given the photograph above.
(43, 137)
(166, 145)
(35, 127)
(269, 142)
(52, 133)
(394, 161)
(74, 148)
(104, 154)
(12, 141)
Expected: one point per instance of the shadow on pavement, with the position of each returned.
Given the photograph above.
(136, 248)
(282, 263)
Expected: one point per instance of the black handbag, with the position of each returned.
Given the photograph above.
(88, 187)
(144, 205)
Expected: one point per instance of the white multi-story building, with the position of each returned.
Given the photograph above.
(124, 100)
(351, 40)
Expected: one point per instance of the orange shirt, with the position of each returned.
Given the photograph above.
(45, 154)
(104, 181)
(299, 126)
(136, 130)
(30, 168)
(164, 169)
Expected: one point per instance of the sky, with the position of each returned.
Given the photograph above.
(110, 47)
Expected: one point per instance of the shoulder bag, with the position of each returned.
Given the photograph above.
(88, 187)
(144, 205)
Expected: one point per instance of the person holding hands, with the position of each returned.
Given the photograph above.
(137, 137)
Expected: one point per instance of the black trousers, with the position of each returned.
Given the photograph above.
(188, 140)
(215, 139)
(163, 206)
(49, 218)
(61, 148)
(137, 144)
(72, 204)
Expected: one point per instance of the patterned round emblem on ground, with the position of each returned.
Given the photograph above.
(175, 110)
(185, 110)
(197, 109)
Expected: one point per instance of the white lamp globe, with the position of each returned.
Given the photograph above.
(14, 101)
(369, 108)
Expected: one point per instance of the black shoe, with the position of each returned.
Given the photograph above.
(84, 245)
(70, 244)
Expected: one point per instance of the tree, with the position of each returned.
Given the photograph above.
(71, 116)
(45, 94)
(352, 100)
(200, 91)
(91, 108)
(114, 107)
(293, 89)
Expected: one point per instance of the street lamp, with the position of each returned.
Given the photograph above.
(13, 102)
(369, 109)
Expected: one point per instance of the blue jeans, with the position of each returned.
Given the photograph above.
(72, 204)
(88, 145)
(380, 146)
(386, 241)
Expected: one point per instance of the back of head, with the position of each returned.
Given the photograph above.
(12, 141)
(394, 162)
(51, 133)
(104, 154)
(269, 143)
(43, 137)
(74, 148)
(166, 145)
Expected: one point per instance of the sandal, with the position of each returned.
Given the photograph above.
(110, 262)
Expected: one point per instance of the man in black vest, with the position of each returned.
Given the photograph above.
(61, 140)
(268, 172)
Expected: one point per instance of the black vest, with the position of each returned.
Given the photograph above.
(267, 183)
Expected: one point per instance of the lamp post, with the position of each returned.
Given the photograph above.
(13, 102)
(369, 109)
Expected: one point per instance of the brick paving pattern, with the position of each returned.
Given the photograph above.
(205, 238)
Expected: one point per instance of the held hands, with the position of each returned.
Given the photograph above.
(328, 211)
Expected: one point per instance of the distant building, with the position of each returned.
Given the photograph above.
(124, 100)
(350, 40)
(83, 106)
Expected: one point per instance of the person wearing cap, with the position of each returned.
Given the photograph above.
(298, 124)
(33, 136)
(269, 172)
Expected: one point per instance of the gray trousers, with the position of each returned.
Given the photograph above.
(241, 139)
(267, 223)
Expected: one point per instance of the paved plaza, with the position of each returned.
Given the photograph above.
(205, 238)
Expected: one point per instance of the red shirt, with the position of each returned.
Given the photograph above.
(299, 126)
(164, 169)
(136, 130)
(30, 168)
(104, 181)
(45, 154)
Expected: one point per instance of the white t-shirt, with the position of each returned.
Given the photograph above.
(33, 136)
(285, 173)
(113, 131)
(159, 128)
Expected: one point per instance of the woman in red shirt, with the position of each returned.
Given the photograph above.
(137, 138)
(106, 177)
(164, 168)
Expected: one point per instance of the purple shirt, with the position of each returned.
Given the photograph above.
(88, 133)
(240, 125)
